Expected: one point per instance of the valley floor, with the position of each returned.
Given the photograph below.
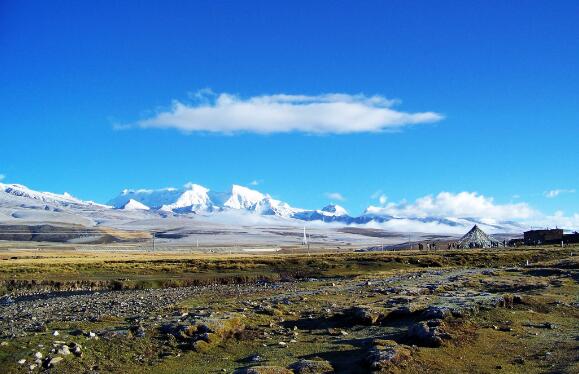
(476, 311)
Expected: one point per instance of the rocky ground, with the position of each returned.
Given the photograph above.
(460, 319)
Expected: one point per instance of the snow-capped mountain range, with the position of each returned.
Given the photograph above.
(194, 198)
(18, 202)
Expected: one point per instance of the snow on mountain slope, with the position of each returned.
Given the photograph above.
(151, 198)
(21, 191)
(193, 199)
(243, 198)
(134, 205)
(334, 210)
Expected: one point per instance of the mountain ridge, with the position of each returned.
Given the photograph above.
(197, 200)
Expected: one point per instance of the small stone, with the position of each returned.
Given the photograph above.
(518, 360)
(64, 350)
(22, 361)
(282, 344)
(32, 367)
(254, 358)
(50, 362)
(55, 333)
(38, 355)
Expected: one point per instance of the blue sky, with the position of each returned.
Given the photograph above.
(79, 79)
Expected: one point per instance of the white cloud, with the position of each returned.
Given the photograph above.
(380, 196)
(2, 177)
(256, 182)
(335, 196)
(557, 219)
(554, 193)
(334, 113)
(462, 204)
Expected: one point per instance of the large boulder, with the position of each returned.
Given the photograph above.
(386, 355)
(437, 312)
(206, 332)
(363, 316)
(312, 367)
(428, 333)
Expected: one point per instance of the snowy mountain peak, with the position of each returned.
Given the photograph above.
(197, 188)
(134, 205)
(194, 198)
(243, 198)
(334, 210)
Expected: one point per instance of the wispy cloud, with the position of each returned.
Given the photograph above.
(336, 196)
(380, 196)
(334, 113)
(554, 193)
(2, 177)
(256, 182)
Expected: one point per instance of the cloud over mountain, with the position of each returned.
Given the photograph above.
(462, 204)
(334, 113)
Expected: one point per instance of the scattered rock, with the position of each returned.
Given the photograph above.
(265, 370)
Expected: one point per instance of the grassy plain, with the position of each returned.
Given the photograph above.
(308, 314)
